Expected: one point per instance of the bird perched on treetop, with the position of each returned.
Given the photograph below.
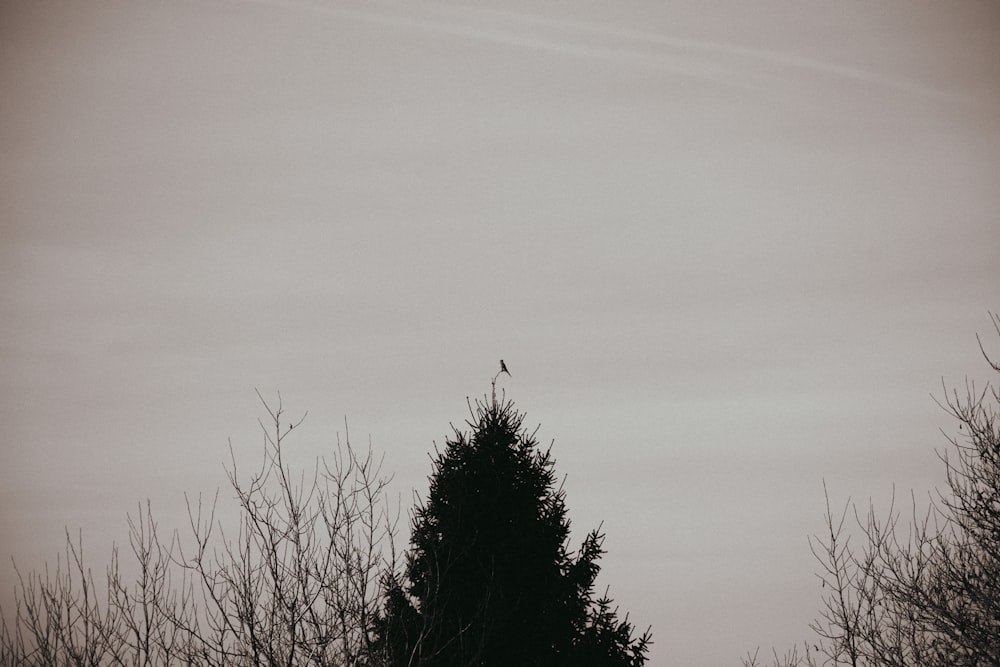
(503, 368)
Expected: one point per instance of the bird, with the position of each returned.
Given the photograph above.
(503, 368)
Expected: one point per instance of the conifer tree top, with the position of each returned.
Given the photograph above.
(491, 579)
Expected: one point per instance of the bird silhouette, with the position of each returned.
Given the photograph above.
(503, 368)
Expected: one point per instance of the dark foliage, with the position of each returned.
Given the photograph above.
(489, 577)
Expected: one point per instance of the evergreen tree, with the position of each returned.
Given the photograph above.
(490, 579)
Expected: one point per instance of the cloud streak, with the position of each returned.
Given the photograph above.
(765, 56)
(710, 60)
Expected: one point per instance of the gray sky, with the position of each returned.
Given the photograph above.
(727, 250)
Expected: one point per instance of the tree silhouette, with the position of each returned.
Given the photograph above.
(927, 593)
(490, 579)
(307, 576)
(297, 580)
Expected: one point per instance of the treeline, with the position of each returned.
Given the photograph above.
(310, 575)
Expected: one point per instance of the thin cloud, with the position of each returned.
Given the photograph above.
(780, 58)
(687, 57)
(510, 38)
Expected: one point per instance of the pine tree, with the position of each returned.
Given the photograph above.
(490, 579)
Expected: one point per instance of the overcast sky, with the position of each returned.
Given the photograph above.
(727, 251)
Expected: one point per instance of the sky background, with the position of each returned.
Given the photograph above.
(727, 250)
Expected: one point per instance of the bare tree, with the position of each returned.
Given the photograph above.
(59, 618)
(924, 592)
(297, 580)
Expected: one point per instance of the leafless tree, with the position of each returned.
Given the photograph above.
(59, 619)
(925, 592)
(297, 581)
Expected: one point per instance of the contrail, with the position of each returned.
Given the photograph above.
(789, 60)
(682, 61)
(692, 69)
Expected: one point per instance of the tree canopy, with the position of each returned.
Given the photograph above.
(490, 578)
